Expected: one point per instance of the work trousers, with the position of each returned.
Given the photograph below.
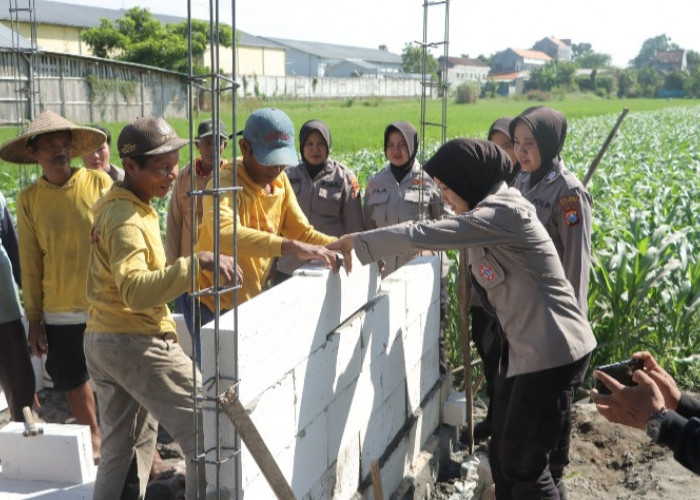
(142, 380)
(531, 421)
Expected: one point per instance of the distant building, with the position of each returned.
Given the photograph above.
(318, 59)
(513, 60)
(59, 28)
(508, 84)
(670, 60)
(554, 48)
(464, 69)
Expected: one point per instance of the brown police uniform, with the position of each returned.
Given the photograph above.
(389, 202)
(564, 207)
(331, 201)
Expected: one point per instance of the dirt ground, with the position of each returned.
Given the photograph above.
(608, 461)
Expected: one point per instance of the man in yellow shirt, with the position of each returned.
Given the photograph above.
(269, 220)
(53, 222)
(141, 373)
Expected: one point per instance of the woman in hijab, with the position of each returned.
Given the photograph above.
(400, 191)
(327, 191)
(547, 341)
(563, 204)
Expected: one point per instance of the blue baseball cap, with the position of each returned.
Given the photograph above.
(271, 134)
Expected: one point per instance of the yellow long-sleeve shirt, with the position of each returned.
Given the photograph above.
(264, 220)
(128, 282)
(53, 224)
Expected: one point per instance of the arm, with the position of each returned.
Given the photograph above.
(573, 212)
(173, 226)
(8, 235)
(352, 209)
(31, 260)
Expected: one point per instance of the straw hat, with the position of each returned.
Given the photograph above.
(84, 140)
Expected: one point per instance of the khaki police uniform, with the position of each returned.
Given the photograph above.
(533, 300)
(388, 202)
(331, 201)
(564, 207)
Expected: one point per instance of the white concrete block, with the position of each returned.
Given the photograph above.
(183, 334)
(454, 409)
(63, 453)
(394, 367)
(347, 472)
(273, 414)
(383, 426)
(377, 334)
(328, 370)
(309, 456)
(421, 378)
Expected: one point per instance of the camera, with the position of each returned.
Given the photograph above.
(622, 372)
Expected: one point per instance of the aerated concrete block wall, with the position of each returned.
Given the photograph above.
(335, 371)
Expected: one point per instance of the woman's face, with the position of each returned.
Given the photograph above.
(503, 141)
(526, 150)
(396, 148)
(315, 148)
(458, 204)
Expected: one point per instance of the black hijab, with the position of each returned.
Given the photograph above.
(548, 126)
(470, 167)
(410, 135)
(501, 125)
(304, 132)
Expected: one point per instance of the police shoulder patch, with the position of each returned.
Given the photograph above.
(571, 208)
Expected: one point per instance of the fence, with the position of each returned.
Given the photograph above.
(86, 89)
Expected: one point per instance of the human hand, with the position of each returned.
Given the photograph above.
(344, 245)
(36, 338)
(229, 273)
(307, 251)
(628, 405)
(668, 387)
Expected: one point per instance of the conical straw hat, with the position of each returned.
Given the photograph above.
(83, 139)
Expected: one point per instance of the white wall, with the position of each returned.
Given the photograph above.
(336, 371)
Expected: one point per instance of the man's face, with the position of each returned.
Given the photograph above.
(98, 159)
(206, 148)
(155, 178)
(52, 151)
(261, 174)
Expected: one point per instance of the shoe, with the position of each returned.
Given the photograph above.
(482, 430)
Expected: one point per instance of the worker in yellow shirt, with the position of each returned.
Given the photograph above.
(269, 220)
(53, 223)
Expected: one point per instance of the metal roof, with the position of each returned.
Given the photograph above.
(332, 51)
(6, 41)
(67, 14)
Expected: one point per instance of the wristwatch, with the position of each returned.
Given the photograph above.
(654, 424)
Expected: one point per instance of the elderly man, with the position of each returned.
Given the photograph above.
(53, 222)
(99, 159)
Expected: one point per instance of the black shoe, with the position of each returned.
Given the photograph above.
(482, 430)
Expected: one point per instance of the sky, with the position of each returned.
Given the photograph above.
(614, 27)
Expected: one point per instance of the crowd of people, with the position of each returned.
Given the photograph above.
(97, 278)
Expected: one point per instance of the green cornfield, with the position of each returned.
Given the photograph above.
(645, 277)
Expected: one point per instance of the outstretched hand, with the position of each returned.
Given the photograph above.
(229, 274)
(344, 245)
(307, 251)
(664, 381)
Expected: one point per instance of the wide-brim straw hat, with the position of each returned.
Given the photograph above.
(84, 140)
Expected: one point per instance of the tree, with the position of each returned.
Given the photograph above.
(411, 59)
(650, 80)
(553, 74)
(577, 49)
(650, 47)
(139, 37)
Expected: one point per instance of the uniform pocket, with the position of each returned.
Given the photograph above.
(329, 204)
(377, 203)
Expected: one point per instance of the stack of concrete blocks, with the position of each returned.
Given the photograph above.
(335, 371)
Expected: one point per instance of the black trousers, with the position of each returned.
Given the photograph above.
(487, 340)
(531, 426)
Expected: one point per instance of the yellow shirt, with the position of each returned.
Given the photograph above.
(128, 282)
(53, 224)
(263, 221)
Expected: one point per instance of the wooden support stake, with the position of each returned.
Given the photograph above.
(377, 481)
(465, 292)
(234, 410)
